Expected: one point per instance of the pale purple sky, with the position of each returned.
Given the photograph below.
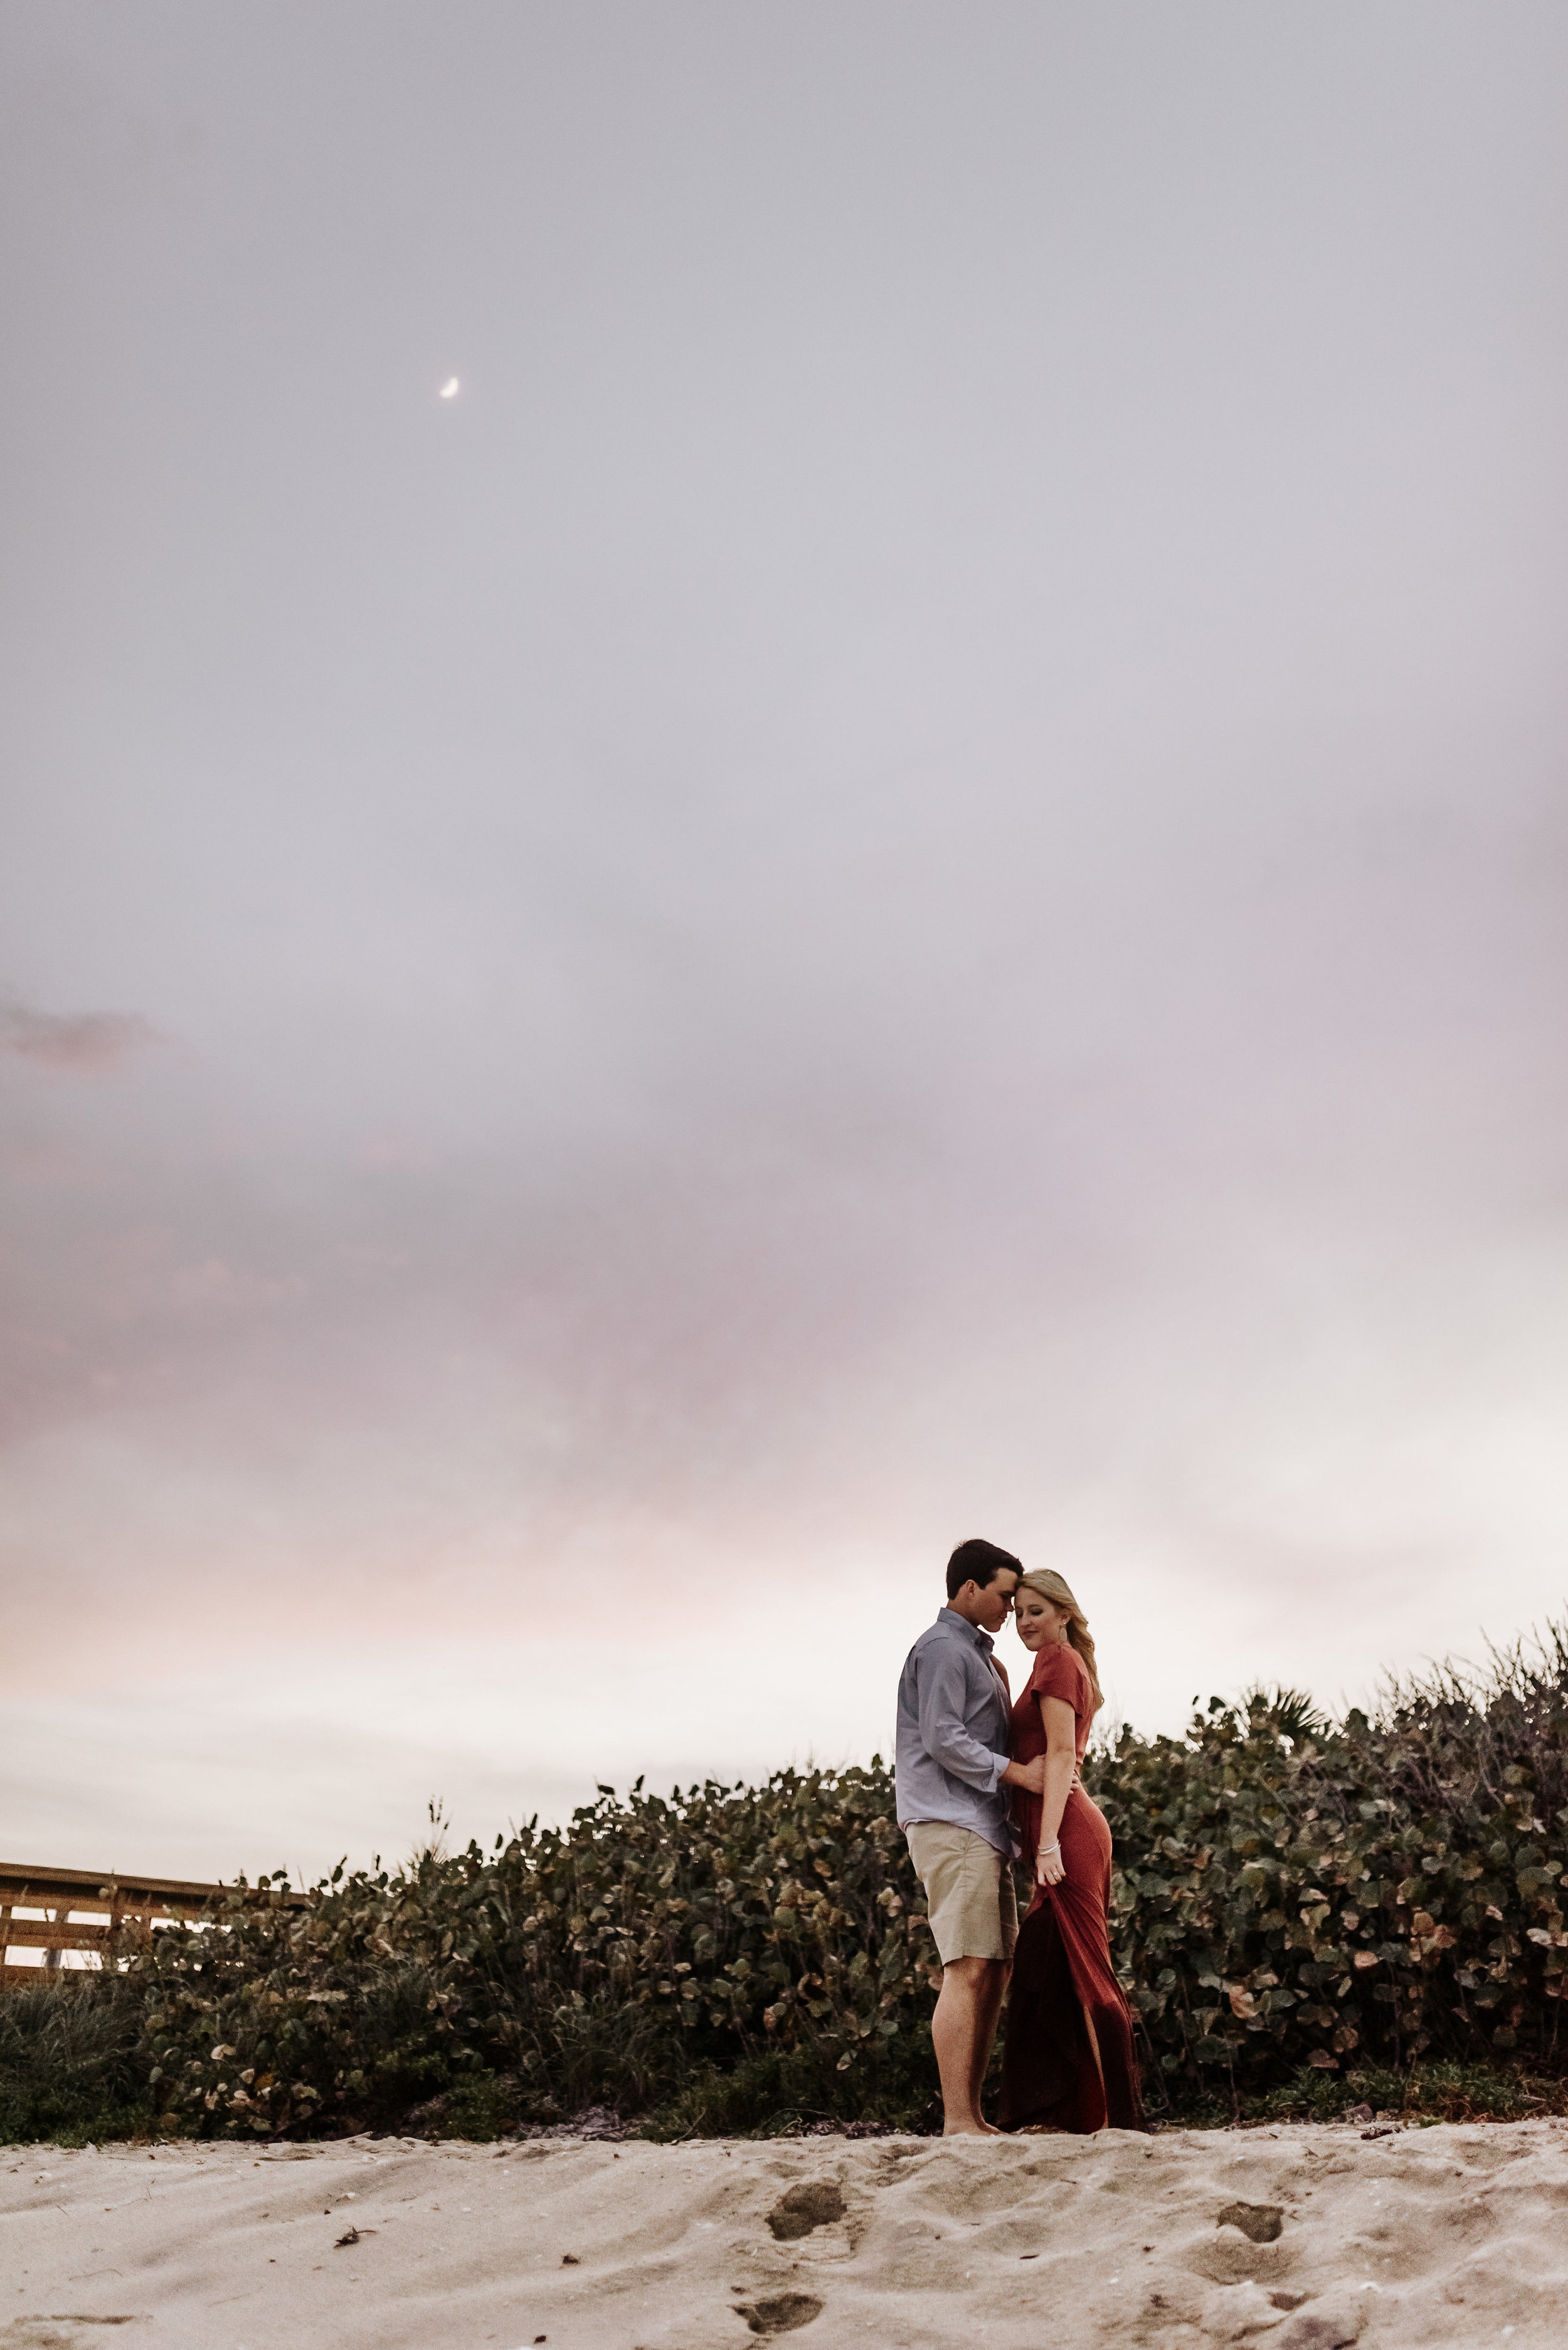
(907, 877)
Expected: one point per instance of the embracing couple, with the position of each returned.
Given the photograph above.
(980, 1783)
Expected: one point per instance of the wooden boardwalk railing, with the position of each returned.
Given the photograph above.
(96, 1911)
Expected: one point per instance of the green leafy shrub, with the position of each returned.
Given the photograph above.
(1327, 1895)
(653, 1945)
(1301, 1907)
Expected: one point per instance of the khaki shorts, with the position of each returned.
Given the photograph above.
(968, 1890)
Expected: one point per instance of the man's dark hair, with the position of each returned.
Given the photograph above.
(979, 1562)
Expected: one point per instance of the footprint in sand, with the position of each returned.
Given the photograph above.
(814, 2203)
(780, 2314)
(1260, 2222)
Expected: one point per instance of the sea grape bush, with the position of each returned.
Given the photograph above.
(1289, 1893)
(650, 1938)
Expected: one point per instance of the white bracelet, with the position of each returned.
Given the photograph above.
(1051, 1847)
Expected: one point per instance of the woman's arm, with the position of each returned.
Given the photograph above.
(1061, 1764)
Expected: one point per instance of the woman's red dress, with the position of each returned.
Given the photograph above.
(1068, 2061)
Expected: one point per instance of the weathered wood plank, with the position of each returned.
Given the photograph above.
(94, 1911)
(84, 1889)
(41, 1934)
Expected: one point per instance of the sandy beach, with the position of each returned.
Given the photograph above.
(1311, 2237)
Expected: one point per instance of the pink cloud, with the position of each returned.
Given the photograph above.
(87, 1044)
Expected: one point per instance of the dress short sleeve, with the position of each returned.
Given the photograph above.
(1059, 1673)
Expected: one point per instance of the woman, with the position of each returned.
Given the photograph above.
(1067, 2063)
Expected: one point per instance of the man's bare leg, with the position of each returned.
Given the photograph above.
(963, 2030)
(985, 2040)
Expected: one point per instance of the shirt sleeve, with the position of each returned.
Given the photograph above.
(943, 1683)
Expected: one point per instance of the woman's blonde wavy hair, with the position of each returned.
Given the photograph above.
(1053, 1586)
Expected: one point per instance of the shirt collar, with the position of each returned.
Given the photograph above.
(972, 1631)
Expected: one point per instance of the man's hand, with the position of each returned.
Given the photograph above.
(1030, 1776)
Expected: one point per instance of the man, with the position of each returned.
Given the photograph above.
(953, 1780)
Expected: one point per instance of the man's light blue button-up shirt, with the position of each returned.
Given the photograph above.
(955, 1727)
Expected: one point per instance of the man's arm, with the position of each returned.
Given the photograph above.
(942, 1681)
(1027, 1775)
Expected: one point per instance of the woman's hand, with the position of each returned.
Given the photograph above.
(1048, 1868)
